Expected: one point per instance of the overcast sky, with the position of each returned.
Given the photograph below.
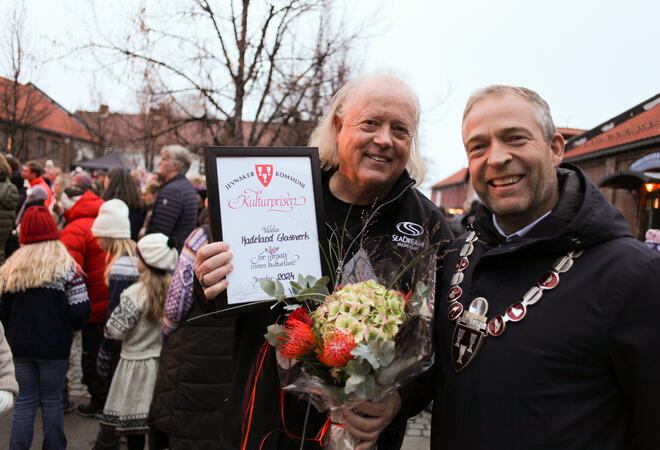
(590, 59)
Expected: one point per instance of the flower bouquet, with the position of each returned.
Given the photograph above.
(360, 342)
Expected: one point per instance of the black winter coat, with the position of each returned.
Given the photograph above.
(8, 203)
(175, 210)
(403, 205)
(17, 180)
(194, 375)
(581, 369)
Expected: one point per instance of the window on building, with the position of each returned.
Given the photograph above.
(652, 211)
(40, 148)
(54, 150)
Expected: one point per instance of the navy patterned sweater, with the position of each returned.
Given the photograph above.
(123, 273)
(39, 322)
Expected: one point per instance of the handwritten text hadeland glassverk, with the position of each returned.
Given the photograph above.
(281, 237)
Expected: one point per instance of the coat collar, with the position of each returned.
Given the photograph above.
(582, 217)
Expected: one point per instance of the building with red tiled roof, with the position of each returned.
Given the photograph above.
(633, 126)
(622, 156)
(141, 136)
(451, 192)
(568, 133)
(455, 178)
(34, 126)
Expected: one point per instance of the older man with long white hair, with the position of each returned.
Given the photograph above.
(368, 148)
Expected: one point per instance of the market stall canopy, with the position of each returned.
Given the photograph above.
(629, 179)
(105, 162)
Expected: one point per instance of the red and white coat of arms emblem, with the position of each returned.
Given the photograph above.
(264, 173)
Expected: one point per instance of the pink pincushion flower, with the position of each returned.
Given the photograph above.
(336, 350)
(299, 339)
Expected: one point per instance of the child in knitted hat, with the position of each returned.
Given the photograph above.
(136, 322)
(43, 299)
(113, 231)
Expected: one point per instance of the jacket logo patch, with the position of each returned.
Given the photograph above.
(408, 237)
(264, 173)
(409, 228)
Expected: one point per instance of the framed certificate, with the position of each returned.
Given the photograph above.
(266, 203)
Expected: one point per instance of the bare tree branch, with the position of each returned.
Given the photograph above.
(21, 106)
(249, 73)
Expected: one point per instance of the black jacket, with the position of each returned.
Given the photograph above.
(175, 210)
(404, 204)
(581, 369)
(8, 202)
(194, 375)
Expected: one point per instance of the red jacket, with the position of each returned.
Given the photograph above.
(41, 182)
(83, 246)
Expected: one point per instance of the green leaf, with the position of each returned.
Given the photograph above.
(268, 286)
(357, 367)
(353, 382)
(279, 290)
(310, 289)
(275, 332)
(356, 384)
(304, 281)
(369, 386)
(273, 288)
(322, 282)
(296, 288)
(364, 352)
(387, 353)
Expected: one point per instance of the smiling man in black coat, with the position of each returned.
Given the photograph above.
(548, 337)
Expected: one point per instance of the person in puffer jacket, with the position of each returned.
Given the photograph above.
(80, 242)
(194, 374)
(175, 209)
(8, 203)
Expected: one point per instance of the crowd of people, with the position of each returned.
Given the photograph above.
(98, 249)
(544, 303)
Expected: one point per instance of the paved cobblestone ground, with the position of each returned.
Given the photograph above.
(81, 431)
(420, 425)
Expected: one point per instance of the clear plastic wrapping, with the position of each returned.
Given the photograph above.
(385, 309)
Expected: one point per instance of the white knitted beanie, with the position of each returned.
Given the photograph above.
(158, 251)
(112, 220)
